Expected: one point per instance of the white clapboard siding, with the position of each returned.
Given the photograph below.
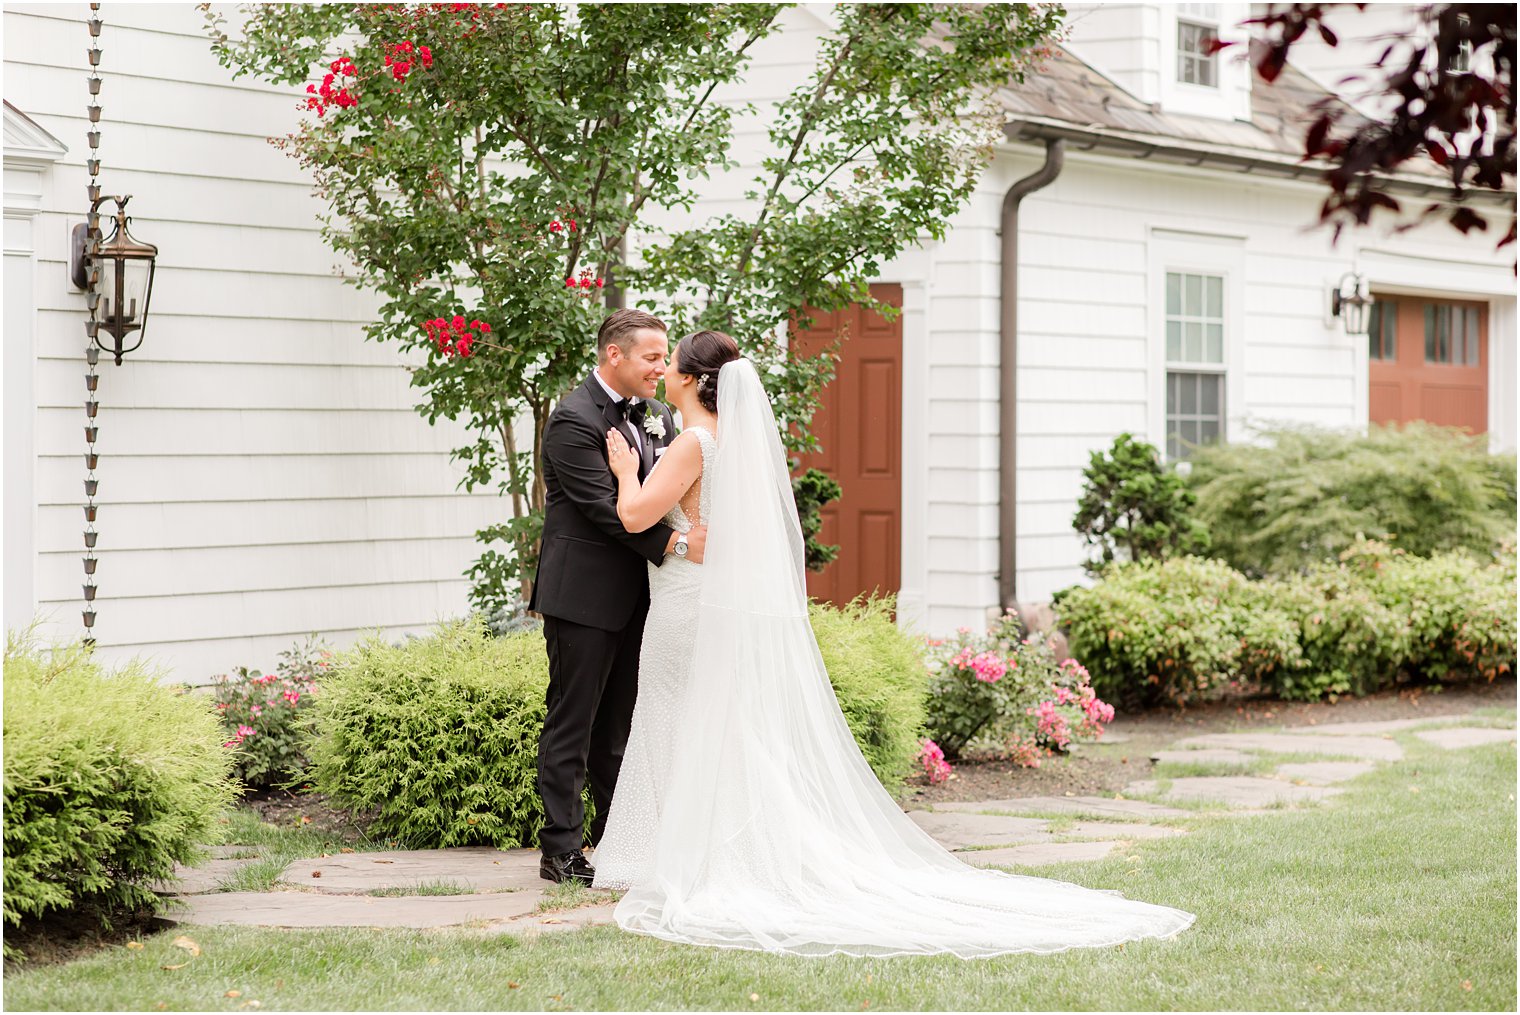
(263, 472)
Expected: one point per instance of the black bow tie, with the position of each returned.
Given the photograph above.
(632, 411)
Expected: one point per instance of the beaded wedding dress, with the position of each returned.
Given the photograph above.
(626, 851)
(770, 831)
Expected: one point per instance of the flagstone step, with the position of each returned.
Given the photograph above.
(1368, 748)
(1324, 773)
(1235, 790)
(476, 868)
(1067, 804)
(1204, 756)
(1466, 736)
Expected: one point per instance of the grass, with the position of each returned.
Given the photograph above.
(1380, 899)
(276, 846)
(422, 888)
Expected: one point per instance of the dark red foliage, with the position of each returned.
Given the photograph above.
(1453, 105)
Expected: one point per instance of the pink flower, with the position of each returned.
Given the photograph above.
(933, 761)
(246, 731)
(292, 696)
(257, 709)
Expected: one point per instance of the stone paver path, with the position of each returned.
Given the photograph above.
(1235, 790)
(1303, 740)
(500, 890)
(1469, 736)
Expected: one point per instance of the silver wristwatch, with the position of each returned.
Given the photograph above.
(680, 548)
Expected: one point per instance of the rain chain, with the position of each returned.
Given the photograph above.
(92, 328)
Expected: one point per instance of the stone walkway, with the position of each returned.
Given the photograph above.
(500, 890)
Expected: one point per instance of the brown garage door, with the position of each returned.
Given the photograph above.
(859, 428)
(1429, 360)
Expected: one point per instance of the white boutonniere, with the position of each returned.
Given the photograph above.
(654, 426)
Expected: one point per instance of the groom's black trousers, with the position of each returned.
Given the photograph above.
(593, 682)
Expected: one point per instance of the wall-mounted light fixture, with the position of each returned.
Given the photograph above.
(126, 266)
(1351, 301)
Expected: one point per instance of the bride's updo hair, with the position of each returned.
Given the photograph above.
(702, 355)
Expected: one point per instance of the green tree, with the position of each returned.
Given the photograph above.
(485, 165)
(1134, 508)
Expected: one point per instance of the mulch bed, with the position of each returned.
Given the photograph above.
(1105, 768)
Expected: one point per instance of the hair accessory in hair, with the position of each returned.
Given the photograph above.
(704, 382)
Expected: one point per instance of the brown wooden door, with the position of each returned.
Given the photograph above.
(859, 430)
(1428, 360)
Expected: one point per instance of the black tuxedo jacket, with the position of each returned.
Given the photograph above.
(590, 570)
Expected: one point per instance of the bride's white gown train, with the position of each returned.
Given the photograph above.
(771, 831)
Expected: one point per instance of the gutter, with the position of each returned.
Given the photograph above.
(1008, 366)
(1194, 153)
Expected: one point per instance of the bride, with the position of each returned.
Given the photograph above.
(745, 815)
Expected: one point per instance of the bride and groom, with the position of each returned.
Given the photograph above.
(733, 807)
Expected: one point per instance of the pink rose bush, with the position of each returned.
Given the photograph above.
(262, 713)
(1000, 695)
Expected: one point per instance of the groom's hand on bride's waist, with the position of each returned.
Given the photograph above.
(696, 542)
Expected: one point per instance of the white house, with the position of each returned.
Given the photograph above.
(263, 474)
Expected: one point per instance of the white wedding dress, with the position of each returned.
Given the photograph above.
(625, 854)
(767, 829)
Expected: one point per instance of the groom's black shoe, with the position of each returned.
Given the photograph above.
(566, 867)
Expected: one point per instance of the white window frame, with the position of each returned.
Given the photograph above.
(1189, 16)
(1171, 250)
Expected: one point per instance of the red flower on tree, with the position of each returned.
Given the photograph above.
(456, 336)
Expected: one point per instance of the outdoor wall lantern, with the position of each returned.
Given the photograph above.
(126, 279)
(1351, 301)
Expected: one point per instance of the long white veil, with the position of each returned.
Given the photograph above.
(774, 832)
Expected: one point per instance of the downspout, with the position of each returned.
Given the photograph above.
(1008, 368)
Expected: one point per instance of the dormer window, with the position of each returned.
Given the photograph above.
(1461, 60)
(1197, 27)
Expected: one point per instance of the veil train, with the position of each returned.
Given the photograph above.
(775, 834)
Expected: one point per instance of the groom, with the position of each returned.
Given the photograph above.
(592, 586)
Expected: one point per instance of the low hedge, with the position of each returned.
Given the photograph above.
(439, 735)
(1170, 632)
(110, 780)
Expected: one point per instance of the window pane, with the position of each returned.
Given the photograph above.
(1216, 296)
(1173, 293)
(1187, 405)
(1472, 336)
(1208, 431)
(1173, 385)
(1214, 347)
(1173, 340)
(1208, 394)
(1192, 344)
(1430, 334)
(1173, 450)
(1192, 295)
(1390, 330)
(1188, 431)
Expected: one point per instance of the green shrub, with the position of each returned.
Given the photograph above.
(439, 735)
(1133, 507)
(1460, 613)
(1170, 632)
(1308, 494)
(1350, 642)
(260, 710)
(110, 780)
(878, 675)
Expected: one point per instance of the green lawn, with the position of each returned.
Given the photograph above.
(1384, 898)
